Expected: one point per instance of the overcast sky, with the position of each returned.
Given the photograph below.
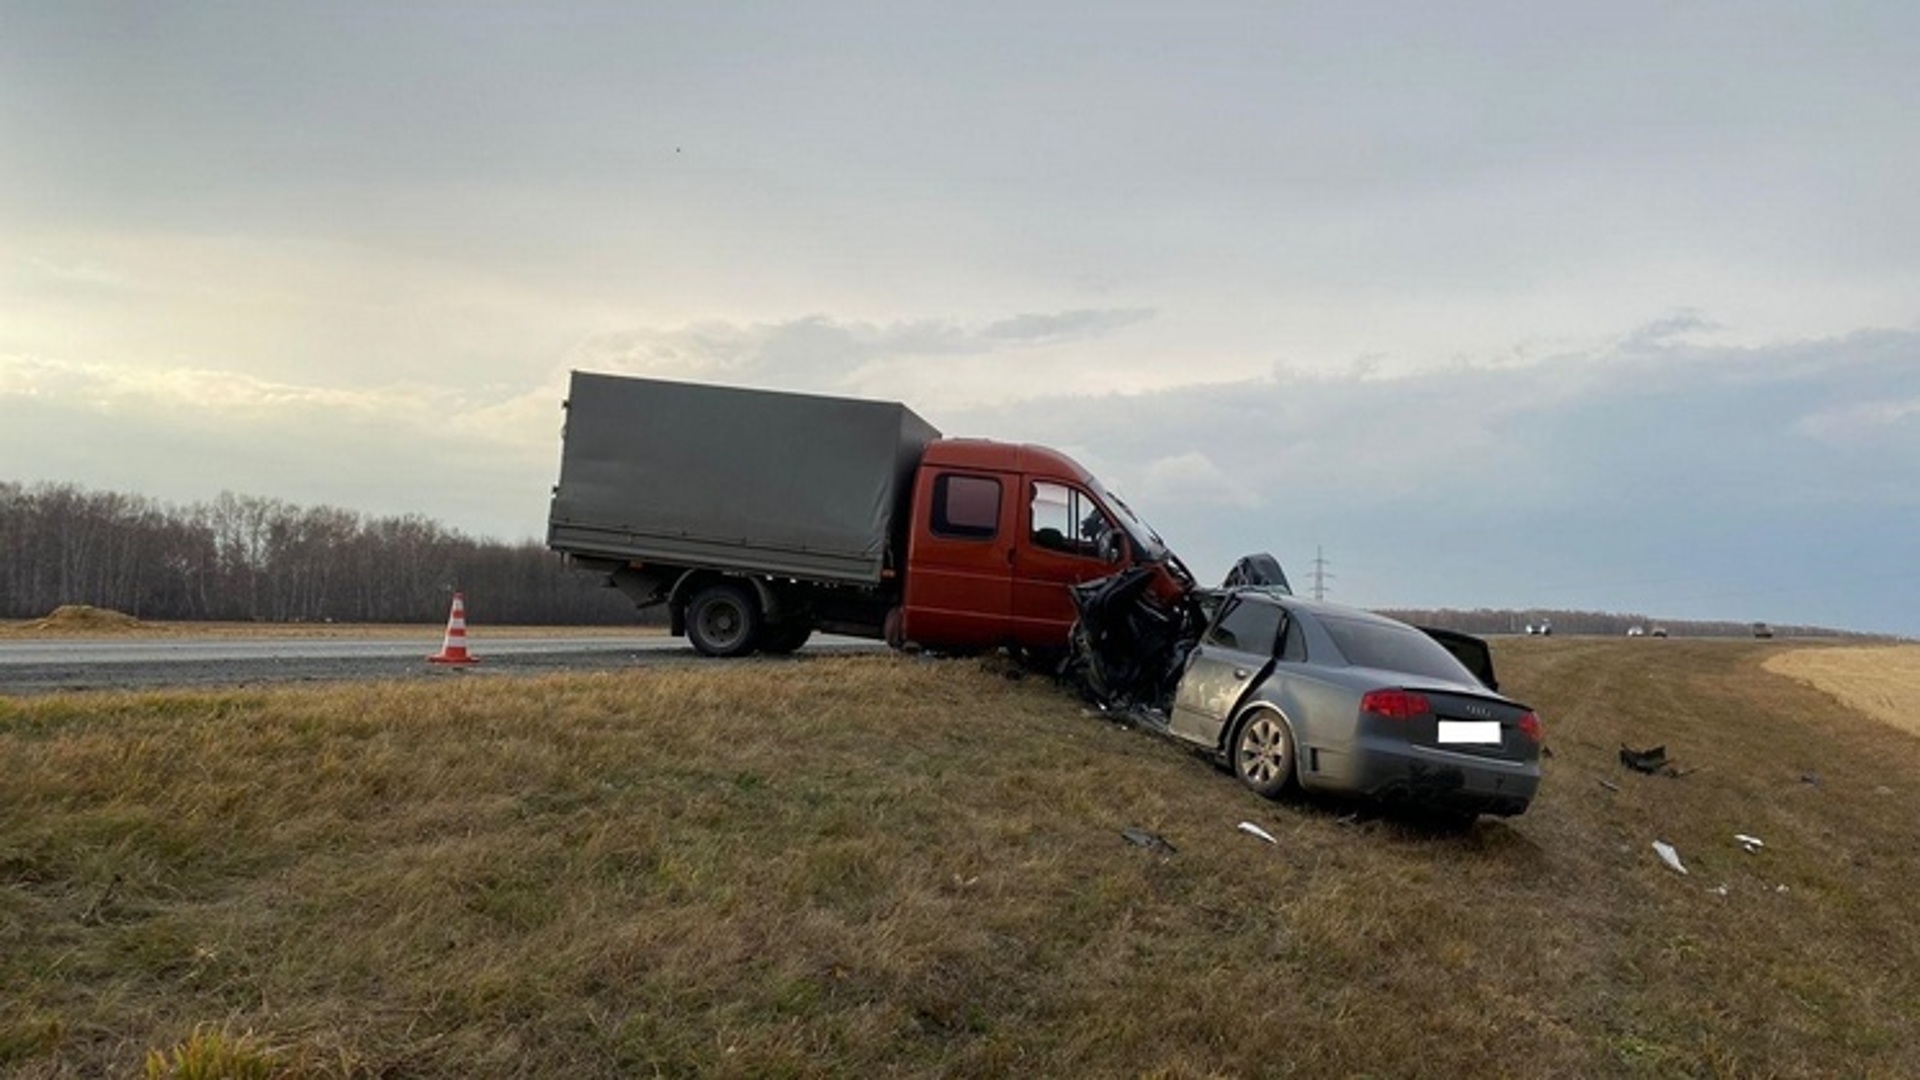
(1607, 306)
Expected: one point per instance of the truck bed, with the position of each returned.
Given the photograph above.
(756, 481)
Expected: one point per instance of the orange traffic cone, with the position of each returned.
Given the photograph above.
(454, 649)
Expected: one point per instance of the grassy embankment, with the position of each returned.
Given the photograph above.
(879, 865)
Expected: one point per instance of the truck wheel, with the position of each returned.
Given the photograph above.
(784, 638)
(723, 620)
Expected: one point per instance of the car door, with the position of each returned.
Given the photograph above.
(1234, 653)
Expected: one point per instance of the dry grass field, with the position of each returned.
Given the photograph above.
(880, 865)
(1881, 681)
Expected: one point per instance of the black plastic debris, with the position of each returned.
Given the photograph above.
(1649, 761)
(1652, 761)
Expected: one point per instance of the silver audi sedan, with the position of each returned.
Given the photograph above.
(1291, 692)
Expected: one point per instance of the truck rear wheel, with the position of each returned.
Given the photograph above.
(723, 620)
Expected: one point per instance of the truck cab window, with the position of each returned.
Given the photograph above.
(1067, 520)
(966, 507)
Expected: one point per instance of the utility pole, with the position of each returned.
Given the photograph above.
(1320, 574)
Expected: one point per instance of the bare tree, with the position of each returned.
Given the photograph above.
(247, 557)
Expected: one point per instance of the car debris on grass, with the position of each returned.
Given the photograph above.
(1653, 761)
(1251, 829)
(1150, 841)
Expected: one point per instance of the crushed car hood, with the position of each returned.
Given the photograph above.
(1130, 644)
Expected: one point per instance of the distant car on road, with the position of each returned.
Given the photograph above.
(1762, 630)
(1289, 692)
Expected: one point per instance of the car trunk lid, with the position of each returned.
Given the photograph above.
(1460, 722)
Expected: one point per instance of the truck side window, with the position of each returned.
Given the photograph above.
(1063, 519)
(1247, 625)
(966, 507)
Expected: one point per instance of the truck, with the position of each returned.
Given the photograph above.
(758, 517)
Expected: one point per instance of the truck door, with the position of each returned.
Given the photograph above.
(958, 584)
(1065, 538)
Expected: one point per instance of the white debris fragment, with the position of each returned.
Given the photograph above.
(1255, 830)
(1750, 843)
(1668, 855)
(1718, 890)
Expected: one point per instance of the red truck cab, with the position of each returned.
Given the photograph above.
(997, 534)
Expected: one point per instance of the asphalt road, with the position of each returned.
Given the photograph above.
(43, 666)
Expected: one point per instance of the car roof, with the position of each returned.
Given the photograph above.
(1311, 607)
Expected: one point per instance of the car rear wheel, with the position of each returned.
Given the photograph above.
(1263, 754)
(723, 620)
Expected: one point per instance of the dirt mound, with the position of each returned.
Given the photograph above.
(84, 619)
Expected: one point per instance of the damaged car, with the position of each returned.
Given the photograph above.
(1293, 693)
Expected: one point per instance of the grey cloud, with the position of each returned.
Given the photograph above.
(821, 353)
(1780, 478)
(1667, 331)
(1064, 326)
(1192, 477)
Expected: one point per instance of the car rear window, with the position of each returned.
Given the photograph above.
(1393, 648)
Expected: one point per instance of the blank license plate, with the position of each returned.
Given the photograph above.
(1474, 732)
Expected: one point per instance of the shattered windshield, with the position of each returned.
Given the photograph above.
(1143, 536)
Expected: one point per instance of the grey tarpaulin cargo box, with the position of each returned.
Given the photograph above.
(789, 485)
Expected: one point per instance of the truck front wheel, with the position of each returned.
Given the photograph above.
(723, 620)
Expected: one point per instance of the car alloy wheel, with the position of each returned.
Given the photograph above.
(1263, 754)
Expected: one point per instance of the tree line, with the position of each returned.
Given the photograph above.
(247, 558)
(1606, 623)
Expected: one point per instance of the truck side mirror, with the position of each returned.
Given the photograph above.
(1113, 546)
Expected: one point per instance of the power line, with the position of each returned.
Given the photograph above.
(1320, 574)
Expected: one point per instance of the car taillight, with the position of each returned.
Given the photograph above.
(1530, 727)
(1395, 704)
